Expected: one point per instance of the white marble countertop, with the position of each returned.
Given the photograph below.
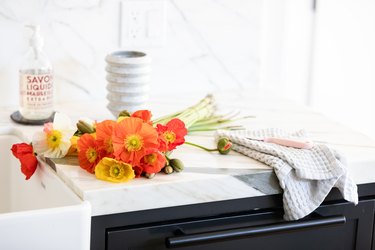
(209, 176)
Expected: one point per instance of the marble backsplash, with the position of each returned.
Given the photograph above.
(210, 45)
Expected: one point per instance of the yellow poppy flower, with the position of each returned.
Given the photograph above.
(73, 151)
(109, 169)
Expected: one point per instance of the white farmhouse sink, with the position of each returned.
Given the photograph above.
(41, 213)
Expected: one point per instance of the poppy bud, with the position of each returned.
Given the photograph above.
(224, 145)
(124, 113)
(85, 127)
(168, 170)
(149, 176)
(176, 164)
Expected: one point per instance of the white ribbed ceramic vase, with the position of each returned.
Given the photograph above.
(128, 77)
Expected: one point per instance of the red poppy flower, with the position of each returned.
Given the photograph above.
(138, 170)
(89, 152)
(153, 162)
(132, 138)
(104, 131)
(171, 135)
(25, 154)
(145, 115)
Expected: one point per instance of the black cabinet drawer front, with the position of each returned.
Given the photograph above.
(252, 231)
(262, 230)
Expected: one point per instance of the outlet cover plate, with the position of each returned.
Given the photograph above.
(142, 23)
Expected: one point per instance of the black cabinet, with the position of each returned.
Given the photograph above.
(250, 223)
(332, 226)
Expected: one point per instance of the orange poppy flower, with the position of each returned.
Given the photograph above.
(89, 152)
(153, 162)
(145, 115)
(104, 132)
(171, 135)
(132, 138)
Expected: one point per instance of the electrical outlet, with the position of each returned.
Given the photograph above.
(142, 23)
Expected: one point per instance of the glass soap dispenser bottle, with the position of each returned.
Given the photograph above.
(36, 81)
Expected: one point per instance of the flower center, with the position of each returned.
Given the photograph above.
(91, 155)
(116, 171)
(133, 143)
(169, 136)
(54, 138)
(150, 158)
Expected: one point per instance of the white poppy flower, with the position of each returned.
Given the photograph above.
(54, 140)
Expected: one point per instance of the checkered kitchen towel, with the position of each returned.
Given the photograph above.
(305, 175)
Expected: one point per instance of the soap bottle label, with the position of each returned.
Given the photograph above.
(36, 93)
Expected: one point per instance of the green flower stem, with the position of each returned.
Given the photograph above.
(219, 121)
(213, 128)
(203, 109)
(167, 157)
(201, 147)
(202, 117)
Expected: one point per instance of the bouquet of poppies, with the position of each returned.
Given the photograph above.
(131, 146)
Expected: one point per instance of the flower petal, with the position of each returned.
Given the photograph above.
(20, 149)
(28, 165)
(62, 122)
(145, 115)
(58, 152)
(39, 142)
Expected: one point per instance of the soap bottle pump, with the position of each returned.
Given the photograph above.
(36, 81)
